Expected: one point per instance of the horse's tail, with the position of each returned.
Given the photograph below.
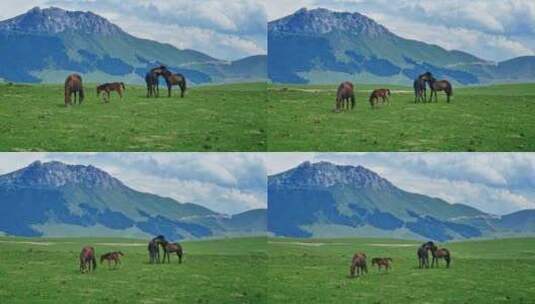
(352, 101)
(81, 96)
(67, 94)
(122, 85)
(450, 89)
(447, 257)
(94, 261)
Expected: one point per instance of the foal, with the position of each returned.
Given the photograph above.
(109, 87)
(358, 265)
(384, 94)
(382, 262)
(112, 256)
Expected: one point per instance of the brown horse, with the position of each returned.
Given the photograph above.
(74, 86)
(87, 259)
(382, 262)
(112, 256)
(358, 264)
(172, 79)
(423, 255)
(384, 94)
(420, 87)
(152, 79)
(169, 248)
(110, 87)
(345, 94)
(440, 253)
(440, 85)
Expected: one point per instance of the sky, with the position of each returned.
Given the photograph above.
(226, 183)
(227, 30)
(497, 183)
(494, 30)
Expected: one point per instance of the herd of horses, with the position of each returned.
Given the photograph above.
(346, 100)
(359, 265)
(88, 259)
(74, 85)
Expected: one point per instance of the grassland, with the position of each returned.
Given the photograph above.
(496, 118)
(316, 271)
(212, 118)
(214, 271)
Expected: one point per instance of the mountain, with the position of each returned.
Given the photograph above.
(322, 46)
(328, 200)
(44, 45)
(56, 199)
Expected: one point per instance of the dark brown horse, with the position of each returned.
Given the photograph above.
(423, 254)
(440, 253)
(420, 87)
(87, 259)
(154, 249)
(169, 248)
(112, 256)
(358, 265)
(74, 86)
(172, 79)
(382, 262)
(152, 79)
(110, 87)
(440, 85)
(384, 94)
(344, 95)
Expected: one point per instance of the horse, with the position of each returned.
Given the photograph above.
(109, 87)
(87, 259)
(74, 86)
(420, 87)
(345, 94)
(152, 80)
(172, 79)
(169, 248)
(112, 256)
(384, 94)
(358, 264)
(440, 85)
(382, 262)
(440, 253)
(423, 254)
(154, 249)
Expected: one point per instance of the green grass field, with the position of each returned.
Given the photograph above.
(211, 118)
(497, 118)
(214, 271)
(316, 271)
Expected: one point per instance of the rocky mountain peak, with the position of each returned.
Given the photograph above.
(56, 174)
(55, 20)
(326, 174)
(323, 21)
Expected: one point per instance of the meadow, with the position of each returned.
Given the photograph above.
(213, 271)
(210, 118)
(316, 271)
(494, 118)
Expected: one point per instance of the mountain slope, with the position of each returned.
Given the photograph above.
(43, 41)
(324, 199)
(324, 46)
(44, 197)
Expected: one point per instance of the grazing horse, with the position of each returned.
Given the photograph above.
(112, 256)
(169, 248)
(172, 79)
(423, 254)
(358, 264)
(345, 93)
(154, 249)
(87, 259)
(109, 87)
(382, 262)
(384, 94)
(440, 85)
(74, 86)
(440, 253)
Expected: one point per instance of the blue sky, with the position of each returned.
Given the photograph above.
(497, 183)
(223, 29)
(227, 183)
(491, 29)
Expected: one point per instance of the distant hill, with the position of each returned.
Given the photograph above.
(44, 45)
(327, 200)
(55, 199)
(322, 46)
